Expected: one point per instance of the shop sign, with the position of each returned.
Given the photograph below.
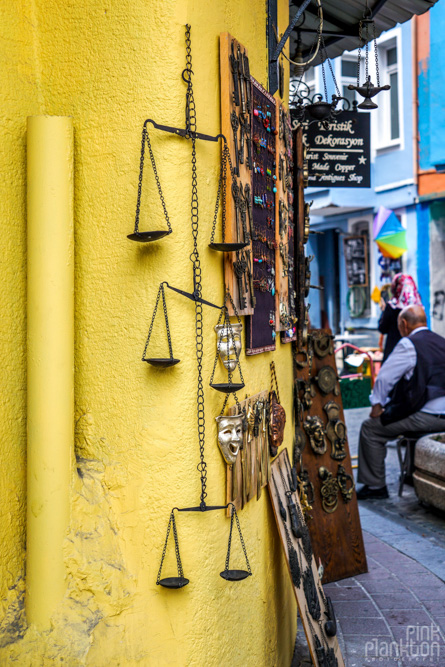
(339, 153)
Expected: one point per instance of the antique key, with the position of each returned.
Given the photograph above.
(234, 120)
(246, 71)
(241, 79)
(240, 269)
(236, 199)
(241, 142)
(283, 253)
(249, 203)
(234, 65)
(250, 276)
(243, 208)
(245, 128)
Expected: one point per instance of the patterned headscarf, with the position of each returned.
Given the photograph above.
(404, 292)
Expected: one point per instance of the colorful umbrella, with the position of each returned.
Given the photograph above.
(389, 234)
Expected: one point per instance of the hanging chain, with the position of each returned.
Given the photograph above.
(164, 304)
(146, 139)
(178, 557)
(359, 52)
(190, 123)
(377, 71)
(221, 188)
(324, 58)
(273, 378)
(166, 323)
(171, 524)
(229, 546)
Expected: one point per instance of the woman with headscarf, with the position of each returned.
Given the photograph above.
(404, 293)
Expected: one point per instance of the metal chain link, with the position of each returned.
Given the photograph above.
(190, 120)
(242, 540)
(171, 524)
(273, 377)
(146, 139)
(229, 546)
(166, 323)
(221, 188)
(160, 291)
(377, 71)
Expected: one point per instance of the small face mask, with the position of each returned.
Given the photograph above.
(229, 344)
(230, 436)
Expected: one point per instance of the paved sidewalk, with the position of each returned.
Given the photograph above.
(395, 614)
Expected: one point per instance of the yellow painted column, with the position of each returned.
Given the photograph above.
(50, 380)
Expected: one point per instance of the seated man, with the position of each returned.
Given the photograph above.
(408, 395)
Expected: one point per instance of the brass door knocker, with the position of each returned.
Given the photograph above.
(327, 381)
(299, 445)
(314, 429)
(335, 431)
(329, 490)
(323, 345)
(301, 363)
(308, 393)
(344, 479)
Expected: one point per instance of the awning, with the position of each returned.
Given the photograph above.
(341, 21)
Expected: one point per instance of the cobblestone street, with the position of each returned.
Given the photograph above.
(395, 614)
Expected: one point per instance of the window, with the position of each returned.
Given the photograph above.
(348, 76)
(362, 229)
(389, 101)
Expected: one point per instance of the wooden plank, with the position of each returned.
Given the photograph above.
(278, 490)
(336, 537)
(227, 107)
(254, 450)
(299, 232)
(281, 226)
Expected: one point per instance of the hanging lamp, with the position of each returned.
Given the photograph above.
(367, 89)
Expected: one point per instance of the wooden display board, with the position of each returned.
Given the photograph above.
(300, 165)
(311, 626)
(336, 535)
(250, 474)
(285, 296)
(231, 48)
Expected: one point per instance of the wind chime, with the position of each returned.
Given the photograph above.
(367, 89)
(179, 581)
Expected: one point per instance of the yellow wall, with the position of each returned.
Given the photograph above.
(110, 65)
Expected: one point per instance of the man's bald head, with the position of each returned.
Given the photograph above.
(410, 318)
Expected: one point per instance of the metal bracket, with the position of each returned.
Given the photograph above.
(202, 508)
(184, 133)
(193, 297)
(274, 48)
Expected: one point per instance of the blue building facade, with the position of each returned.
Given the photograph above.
(340, 212)
(431, 174)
